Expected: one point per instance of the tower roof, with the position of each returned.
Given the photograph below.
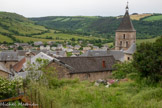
(126, 24)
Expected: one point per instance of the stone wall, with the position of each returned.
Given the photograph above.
(122, 38)
(4, 74)
(9, 64)
(64, 72)
(128, 57)
(91, 76)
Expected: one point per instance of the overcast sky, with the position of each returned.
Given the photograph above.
(39, 8)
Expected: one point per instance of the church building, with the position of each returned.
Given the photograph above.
(125, 34)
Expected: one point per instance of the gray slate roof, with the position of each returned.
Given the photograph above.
(8, 56)
(60, 53)
(88, 64)
(118, 55)
(131, 49)
(126, 24)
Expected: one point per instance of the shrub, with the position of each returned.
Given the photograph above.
(123, 69)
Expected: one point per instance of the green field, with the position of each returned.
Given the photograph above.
(28, 39)
(139, 41)
(63, 36)
(154, 18)
(5, 38)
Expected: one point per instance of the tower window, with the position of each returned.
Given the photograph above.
(127, 44)
(120, 43)
(123, 36)
(128, 58)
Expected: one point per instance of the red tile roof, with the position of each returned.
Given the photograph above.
(18, 66)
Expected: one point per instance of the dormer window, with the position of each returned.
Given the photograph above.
(123, 36)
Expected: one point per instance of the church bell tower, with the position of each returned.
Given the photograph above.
(125, 34)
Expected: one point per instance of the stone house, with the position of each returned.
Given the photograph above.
(57, 53)
(84, 68)
(9, 58)
(86, 49)
(95, 48)
(77, 47)
(128, 54)
(76, 52)
(38, 43)
(45, 48)
(4, 72)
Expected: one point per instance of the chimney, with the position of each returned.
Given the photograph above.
(108, 51)
(103, 64)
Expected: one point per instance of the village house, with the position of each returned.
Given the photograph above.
(95, 48)
(57, 53)
(84, 68)
(9, 58)
(4, 72)
(128, 53)
(21, 44)
(76, 52)
(51, 42)
(60, 47)
(3, 47)
(118, 54)
(77, 47)
(86, 49)
(38, 43)
(33, 60)
(69, 47)
(45, 48)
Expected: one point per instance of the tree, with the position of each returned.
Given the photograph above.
(148, 60)
(20, 48)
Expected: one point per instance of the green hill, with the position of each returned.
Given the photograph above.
(12, 24)
(147, 25)
(16, 28)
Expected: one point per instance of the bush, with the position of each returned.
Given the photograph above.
(9, 88)
(123, 69)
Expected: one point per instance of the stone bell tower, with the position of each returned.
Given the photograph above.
(125, 34)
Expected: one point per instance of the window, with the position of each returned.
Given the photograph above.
(120, 43)
(103, 64)
(123, 36)
(126, 44)
(128, 58)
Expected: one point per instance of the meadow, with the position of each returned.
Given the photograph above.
(5, 39)
(154, 18)
(84, 94)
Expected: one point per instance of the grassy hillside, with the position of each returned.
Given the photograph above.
(153, 18)
(16, 28)
(139, 16)
(103, 26)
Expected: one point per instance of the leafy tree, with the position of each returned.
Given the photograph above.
(20, 48)
(148, 60)
(123, 69)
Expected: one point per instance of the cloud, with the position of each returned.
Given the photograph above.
(36, 8)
